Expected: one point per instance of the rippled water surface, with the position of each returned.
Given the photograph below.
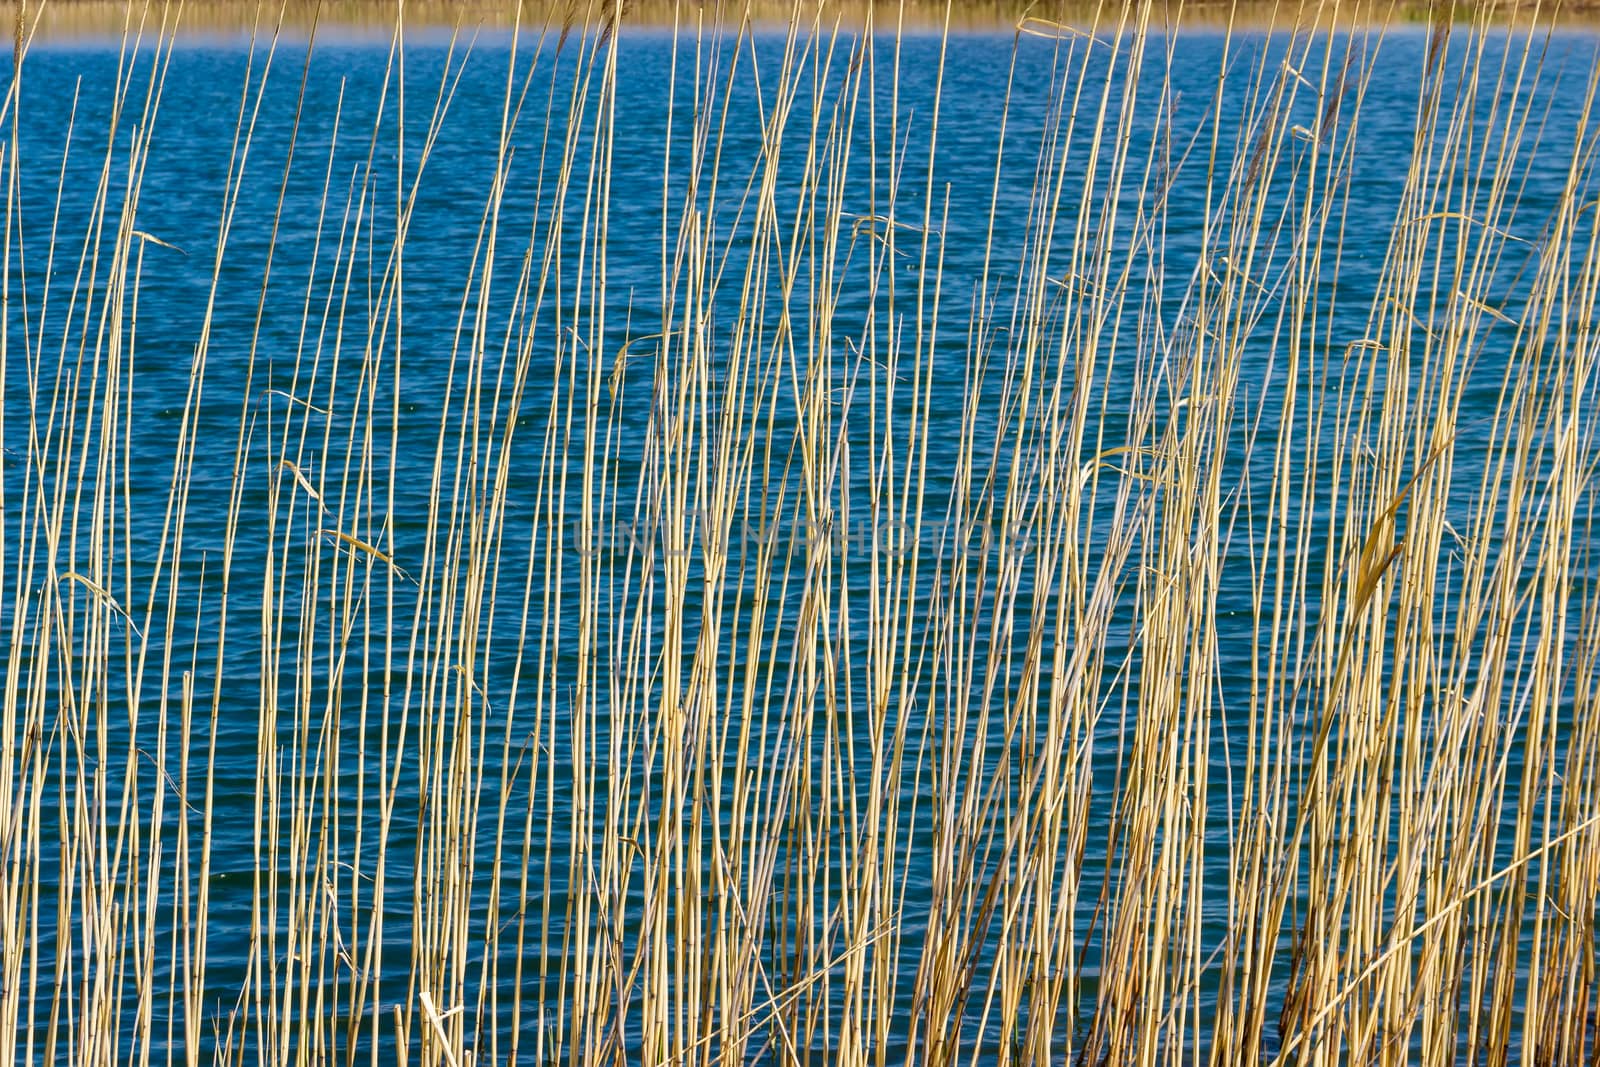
(308, 351)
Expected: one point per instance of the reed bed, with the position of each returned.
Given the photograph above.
(1177, 645)
(73, 20)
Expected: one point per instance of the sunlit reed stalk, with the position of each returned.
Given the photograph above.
(1125, 659)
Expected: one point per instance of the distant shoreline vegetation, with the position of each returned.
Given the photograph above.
(66, 19)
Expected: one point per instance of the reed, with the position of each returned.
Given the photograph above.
(1177, 646)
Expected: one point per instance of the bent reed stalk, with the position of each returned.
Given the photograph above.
(1147, 654)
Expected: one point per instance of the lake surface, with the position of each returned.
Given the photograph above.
(313, 371)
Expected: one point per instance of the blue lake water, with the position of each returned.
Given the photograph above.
(319, 185)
